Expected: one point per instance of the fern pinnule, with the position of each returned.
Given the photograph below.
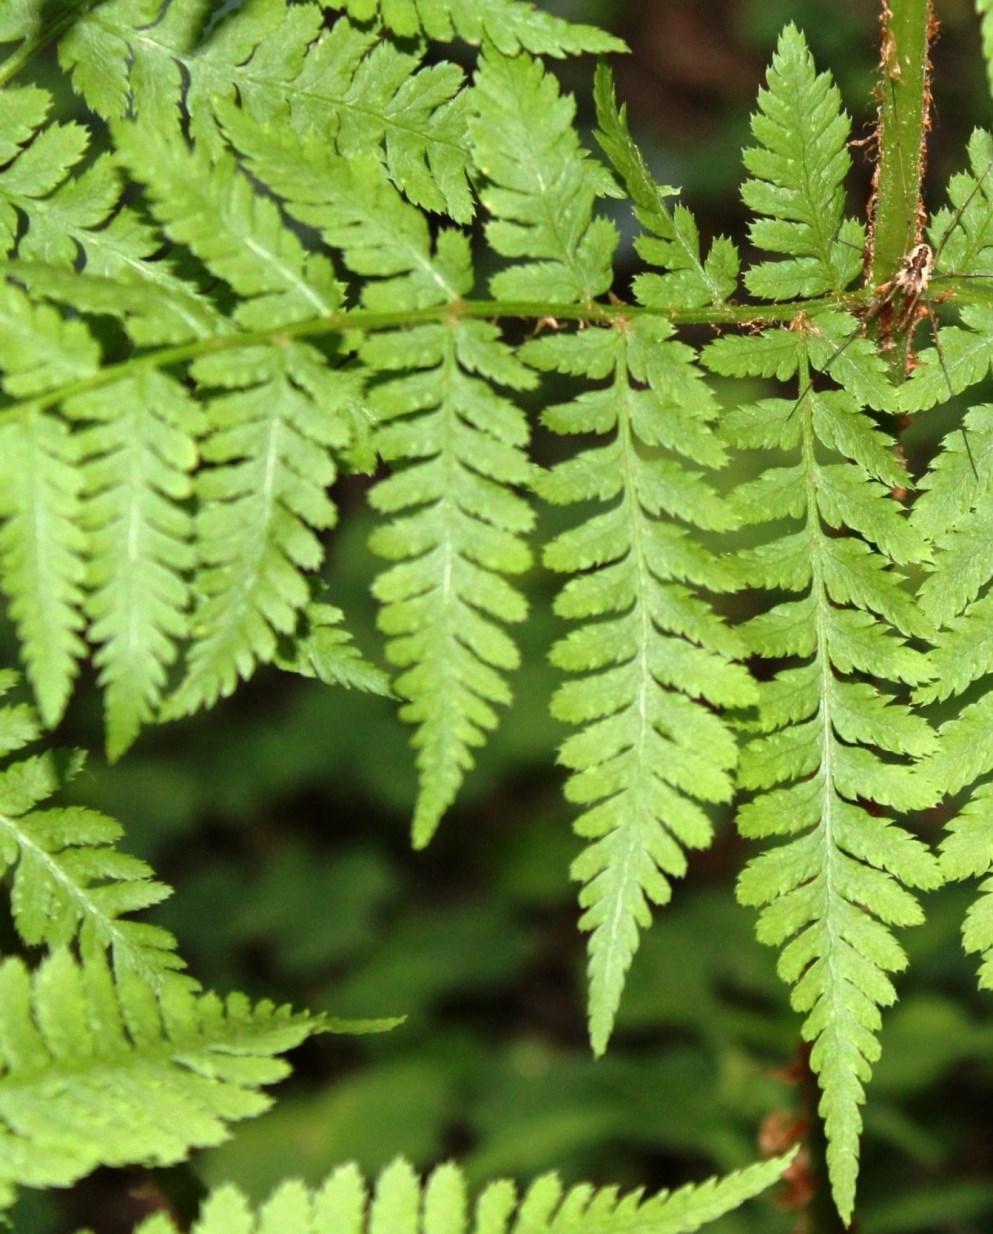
(69, 882)
(652, 660)
(358, 211)
(138, 448)
(509, 25)
(823, 744)
(673, 242)
(540, 186)
(99, 1071)
(797, 180)
(211, 206)
(263, 501)
(281, 62)
(455, 529)
(401, 1202)
(952, 512)
(41, 552)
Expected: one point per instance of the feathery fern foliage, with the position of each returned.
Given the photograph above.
(266, 282)
(69, 883)
(402, 1204)
(99, 1070)
(826, 760)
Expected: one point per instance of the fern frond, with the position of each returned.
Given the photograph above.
(509, 25)
(139, 449)
(41, 548)
(830, 756)
(541, 186)
(69, 881)
(827, 759)
(797, 176)
(360, 92)
(98, 1071)
(456, 530)
(402, 1204)
(455, 524)
(689, 281)
(952, 512)
(357, 210)
(654, 658)
(213, 208)
(264, 494)
(263, 499)
(55, 214)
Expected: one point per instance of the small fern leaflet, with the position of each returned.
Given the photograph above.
(402, 1204)
(97, 1071)
(654, 659)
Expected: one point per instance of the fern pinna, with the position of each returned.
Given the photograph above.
(248, 270)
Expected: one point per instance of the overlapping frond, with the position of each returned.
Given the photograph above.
(69, 882)
(403, 1204)
(540, 186)
(455, 525)
(673, 241)
(99, 1070)
(509, 25)
(651, 660)
(275, 412)
(952, 511)
(796, 182)
(360, 92)
(456, 531)
(60, 211)
(830, 755)
(828, 761)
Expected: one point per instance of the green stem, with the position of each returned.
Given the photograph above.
(904, 93)
(71, 11)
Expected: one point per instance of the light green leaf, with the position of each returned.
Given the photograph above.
(97, 1072)
(402, 1204)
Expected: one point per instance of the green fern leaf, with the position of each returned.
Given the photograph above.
(264, 494)
(458, 448)
(358, 91)
(69, 881)
(41, 547)
(455, 531)
(654, 659)
(64, 220)
(402, 1204)
(831, 750)
(213, 208)
(509, 25)
(97, 1072)
(797, 176)
(823, 743)
(263, 498)
(674, 241)
(325, 650)
(382, 238)
(951, 512)
(18, 20)
(541, 186)
(139, 450)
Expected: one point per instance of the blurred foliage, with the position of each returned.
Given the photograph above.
(282, 819)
